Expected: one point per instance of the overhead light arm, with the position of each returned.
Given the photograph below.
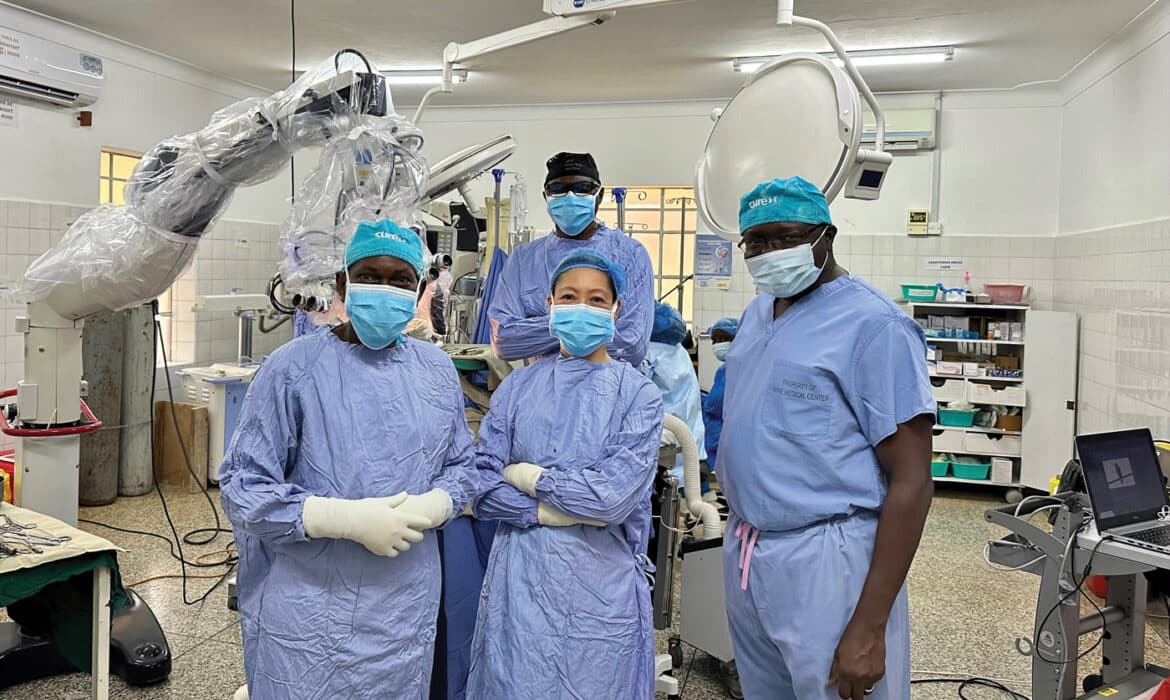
(457, 53)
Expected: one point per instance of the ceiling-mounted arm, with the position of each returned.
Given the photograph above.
(458, 53)
(784, 16)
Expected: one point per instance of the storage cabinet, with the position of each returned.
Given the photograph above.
(1011, 356)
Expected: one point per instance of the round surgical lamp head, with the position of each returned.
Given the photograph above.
(466, 165)
(797, 115)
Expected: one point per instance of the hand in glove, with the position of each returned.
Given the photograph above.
(374, 523)
(434, 505)
(523, 476)
(551, 517)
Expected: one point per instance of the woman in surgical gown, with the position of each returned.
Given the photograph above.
(567, 457)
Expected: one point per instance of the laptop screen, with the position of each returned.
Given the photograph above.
(1123, 477)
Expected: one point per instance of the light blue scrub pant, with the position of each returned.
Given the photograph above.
(802, 588)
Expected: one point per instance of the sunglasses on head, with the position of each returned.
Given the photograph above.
(560, 189)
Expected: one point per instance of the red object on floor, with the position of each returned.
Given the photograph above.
(1100, 588)
(1163, 692)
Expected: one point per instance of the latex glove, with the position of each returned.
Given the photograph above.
(241, 693)
(551, 517)
(434, 505)
(467, 511)
(523, 476)
(374, 523)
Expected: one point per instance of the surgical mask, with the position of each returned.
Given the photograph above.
(572, 213)
(720, 350)
(785, 273)
(581, 328)
(378, 312)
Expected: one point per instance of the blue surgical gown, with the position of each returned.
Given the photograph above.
(713, 415)
(669, 367)
(326, 618)
(519, 309)
(809, 396)
(565, 611)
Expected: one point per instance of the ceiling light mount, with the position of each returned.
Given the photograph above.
(422, 76)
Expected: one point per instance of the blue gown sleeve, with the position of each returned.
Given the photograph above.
(253, 489)
(515, 335)
(497, 499)
(636, 321)
(891, 384)
(458, 476)
(611, 489)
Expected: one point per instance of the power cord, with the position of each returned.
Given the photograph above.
(1076, 589)
(975, 682)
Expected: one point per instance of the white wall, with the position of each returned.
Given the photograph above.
(1113, 249)
(49, 158)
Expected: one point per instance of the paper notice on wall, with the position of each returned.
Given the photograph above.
(946, 264)
(9, 113)
(712, 261)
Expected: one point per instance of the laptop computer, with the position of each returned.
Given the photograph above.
(1124, 481)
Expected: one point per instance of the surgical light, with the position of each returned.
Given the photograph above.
(422, 77)
(862, 59)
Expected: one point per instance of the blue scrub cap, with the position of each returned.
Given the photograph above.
(385, 237)
(597, 261)
(791, 199)
(669, 326)
(727, 325)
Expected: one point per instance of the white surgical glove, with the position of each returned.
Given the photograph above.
(551, 517)
(241, 693)
(374, 523)
(523, 476)
(434, 505)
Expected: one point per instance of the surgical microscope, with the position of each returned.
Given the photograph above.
(118, 257)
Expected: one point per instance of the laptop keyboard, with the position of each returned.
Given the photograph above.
(1159, 536)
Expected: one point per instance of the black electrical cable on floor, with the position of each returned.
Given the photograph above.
(974, 682)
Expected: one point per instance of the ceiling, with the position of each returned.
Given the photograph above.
(681, 51)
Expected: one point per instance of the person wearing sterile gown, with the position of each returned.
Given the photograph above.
(351, 444)
(567, 457)
(669, 366)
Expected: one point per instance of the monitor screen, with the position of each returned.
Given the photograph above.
(871, 179)
(1123, 477)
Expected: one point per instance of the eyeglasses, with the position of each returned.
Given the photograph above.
(560, 189)
(754, 246)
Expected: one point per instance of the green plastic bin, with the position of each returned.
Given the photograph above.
(939, 468)
(977, 472)
(956, 418)
(919, 292)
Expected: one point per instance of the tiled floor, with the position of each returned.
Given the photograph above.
(965, 616)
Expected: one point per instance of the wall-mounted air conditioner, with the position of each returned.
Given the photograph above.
(906, 129)
(41, 70)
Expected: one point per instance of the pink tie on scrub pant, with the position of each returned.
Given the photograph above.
(747, 535)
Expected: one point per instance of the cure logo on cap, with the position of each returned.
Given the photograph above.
(761, 202)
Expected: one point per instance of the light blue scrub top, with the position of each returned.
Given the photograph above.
(809, 395)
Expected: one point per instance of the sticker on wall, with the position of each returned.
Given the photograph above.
(712, 262)
(9, 113)
(945, 264)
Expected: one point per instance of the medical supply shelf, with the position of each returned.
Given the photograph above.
(1045, 355)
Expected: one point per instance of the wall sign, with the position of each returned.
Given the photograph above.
(945, 264)
(712, 261)
(9, 113)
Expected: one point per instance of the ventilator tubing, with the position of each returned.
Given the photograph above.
(705, 512)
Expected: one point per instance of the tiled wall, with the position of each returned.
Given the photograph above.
(888, 261)
(1118, 280)
(233, 255)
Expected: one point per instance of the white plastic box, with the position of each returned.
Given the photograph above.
(990, 394)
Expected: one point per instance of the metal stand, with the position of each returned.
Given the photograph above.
(1060, 558)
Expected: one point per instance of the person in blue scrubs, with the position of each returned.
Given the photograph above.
(722, 333)
(669, 366)
(518, 312)
(351, 446)
(825, 462)
(567, 457)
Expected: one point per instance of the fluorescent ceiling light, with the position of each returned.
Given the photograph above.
(422, 77)
(861, 59)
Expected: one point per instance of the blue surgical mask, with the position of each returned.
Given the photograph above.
(572, 213)
(785, 273)
(581, 328)
(378, 312)
(720, 350)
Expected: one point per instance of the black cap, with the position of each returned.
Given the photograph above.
(566, 164)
